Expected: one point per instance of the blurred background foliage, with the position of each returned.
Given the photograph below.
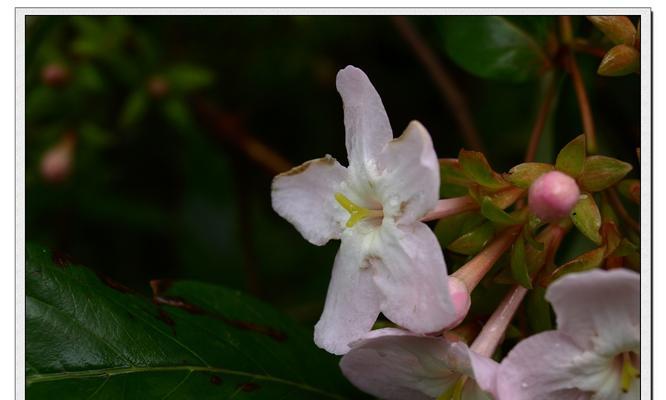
(151, 141)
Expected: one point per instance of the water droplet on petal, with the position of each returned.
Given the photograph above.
(524, 385)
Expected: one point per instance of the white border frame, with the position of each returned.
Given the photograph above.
(646, 135)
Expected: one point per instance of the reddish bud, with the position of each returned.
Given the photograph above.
(56, 163)
(553, 195)
(158, 87)
(55, 75)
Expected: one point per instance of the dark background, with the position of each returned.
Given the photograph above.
(180, 123)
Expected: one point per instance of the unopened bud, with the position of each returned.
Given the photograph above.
(553, 195)
(460, 298)
(618, 28)
(620, 60)
(56, 163)
(55, 75)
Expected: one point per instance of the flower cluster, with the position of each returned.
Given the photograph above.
(391, 262)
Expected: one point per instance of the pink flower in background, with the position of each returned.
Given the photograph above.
(395, 365)
(388, 260)
(553, 195)
(594, 353)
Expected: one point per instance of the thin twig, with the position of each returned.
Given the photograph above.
(617, 205)
(443, 81)
(540, 121)
(582, 46)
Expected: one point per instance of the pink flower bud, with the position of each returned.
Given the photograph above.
(553, 195)
(460, 298)
(56, 163)
(55, 75)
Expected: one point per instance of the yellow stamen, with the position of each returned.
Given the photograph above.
(455, 391)
(356, 212)
(629, 372)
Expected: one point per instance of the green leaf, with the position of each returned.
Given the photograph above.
(522, 175)
(134, 108)
(585, 262)
(585, 215)
(90, 337)
(493, 47)
(476, 167)
(452, 227)
(601, 172)
(571, 158)
(538, 310)
(474, 241)
(188, 77)
(496, 214)
(625, 248)
(630, 189)
(453, 181)
(519, 263)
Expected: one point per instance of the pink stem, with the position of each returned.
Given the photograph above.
(447, 207)
(493, 331)
(476, 268)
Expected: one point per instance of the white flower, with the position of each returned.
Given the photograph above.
(388, 261)
(395, 365)
(593, 355)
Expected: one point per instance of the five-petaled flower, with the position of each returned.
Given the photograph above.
(388, 260)
(395, 365)
(594, 353)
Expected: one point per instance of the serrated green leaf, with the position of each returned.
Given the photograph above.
(452, 227)
(493, 47)
(474, 241)
(522, 175)
(519, 269)
(476, 167)
(571, 158)
(90, 337)
(585, 262)
(586, 217)
(601, 172)
(496, 214)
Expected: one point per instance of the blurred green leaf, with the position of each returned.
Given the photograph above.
(585, 262)
(585, 215)
(474, 241)
(493, 47)
(89, 336)
(538, 310)
(134, 108)
(522, 175)
(630, 189)
(453, 181)
(571, 158)
(601, 172)
(188, 77)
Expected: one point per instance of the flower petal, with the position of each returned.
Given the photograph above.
(599, 309)
(411, 275)
(404, 366)
(485, 372)
(305, 196)
(366, 123)
(544, 367)
(352, 301)
(409, 182)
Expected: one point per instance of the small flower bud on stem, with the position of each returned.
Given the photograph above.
(475, 269)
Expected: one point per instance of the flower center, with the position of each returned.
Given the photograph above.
(455, 391)
(628, 371)
(356, 212)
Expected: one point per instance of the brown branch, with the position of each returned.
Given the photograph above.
(443, 81)
(582, 46)
(229, 128)
(540, 121)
